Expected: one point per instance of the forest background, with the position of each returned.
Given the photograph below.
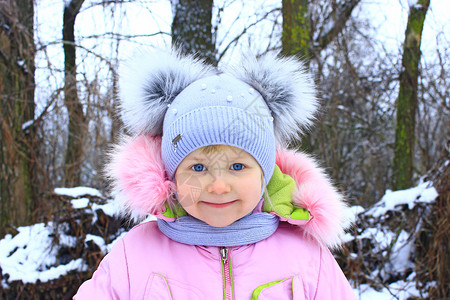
(382, 68)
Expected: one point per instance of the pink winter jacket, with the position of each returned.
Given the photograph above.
(293, 263)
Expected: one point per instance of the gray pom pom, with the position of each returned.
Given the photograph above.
(286, 87)
(149, 83)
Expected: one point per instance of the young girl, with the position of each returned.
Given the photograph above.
(238, 215)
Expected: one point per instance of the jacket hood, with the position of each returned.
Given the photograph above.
(138, 178)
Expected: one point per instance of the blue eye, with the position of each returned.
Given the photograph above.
(237, 167)
(198, 168)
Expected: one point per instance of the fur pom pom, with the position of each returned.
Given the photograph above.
(137, 173)
(316, 193)
(150, 82)
(288, 90)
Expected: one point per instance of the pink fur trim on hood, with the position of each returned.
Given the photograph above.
(137, 173)
(316, 193)
(138, 176)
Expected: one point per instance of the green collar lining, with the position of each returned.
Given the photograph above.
(280, 189)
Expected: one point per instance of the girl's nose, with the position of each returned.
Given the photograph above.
(219, 186)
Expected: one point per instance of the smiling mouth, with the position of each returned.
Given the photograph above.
(219, 205)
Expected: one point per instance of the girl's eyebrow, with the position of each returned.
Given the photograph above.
(197, 158)
(232, 157)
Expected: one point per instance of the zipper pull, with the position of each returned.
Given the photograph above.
(224, 254)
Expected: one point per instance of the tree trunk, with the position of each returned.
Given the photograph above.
(296, 37)
(17, 159)
(407, 98)
(77, 122)
(295, 40)
(192, 28)
(117, 123)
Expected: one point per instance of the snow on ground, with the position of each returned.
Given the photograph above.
(423, 193)
(398, 258)
(78, 191)
(29, 255)
(400, 290)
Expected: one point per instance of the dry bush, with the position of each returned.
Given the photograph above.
(433, 243)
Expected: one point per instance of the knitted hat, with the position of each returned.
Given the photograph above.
(216, 110)
(191, 105)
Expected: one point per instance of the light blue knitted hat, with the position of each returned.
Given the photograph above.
(264, 102)
(216, 110)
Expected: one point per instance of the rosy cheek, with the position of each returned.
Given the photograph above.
(189, 188)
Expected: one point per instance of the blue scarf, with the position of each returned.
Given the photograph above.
(248, 230)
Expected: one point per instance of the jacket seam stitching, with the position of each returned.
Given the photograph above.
(128, 270)
(319, 273)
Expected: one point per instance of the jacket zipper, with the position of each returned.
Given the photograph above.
(226, 271)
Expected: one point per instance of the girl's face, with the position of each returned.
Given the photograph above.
(219, 186)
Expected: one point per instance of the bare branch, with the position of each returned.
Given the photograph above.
(244, 31)
(335, 22)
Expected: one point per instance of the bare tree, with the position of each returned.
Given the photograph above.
(407, 98)
(433, 114)
(17, 186)
(77, 120)
(354, 134)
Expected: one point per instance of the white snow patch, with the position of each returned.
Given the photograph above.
(105, 248)
(97, 240)
(110, 208)
(401, 290)
(27, 124)
(78, 191)
(357, 210)
(55, 272)
(80, 203)
(423, 193)
(428, 195)
(401, 253)
(347, 238)
(30, 256)
(349, 216)
(382, 239)
(412, 3)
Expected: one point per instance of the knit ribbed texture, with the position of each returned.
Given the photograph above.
(218, 110)
(248, 230)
